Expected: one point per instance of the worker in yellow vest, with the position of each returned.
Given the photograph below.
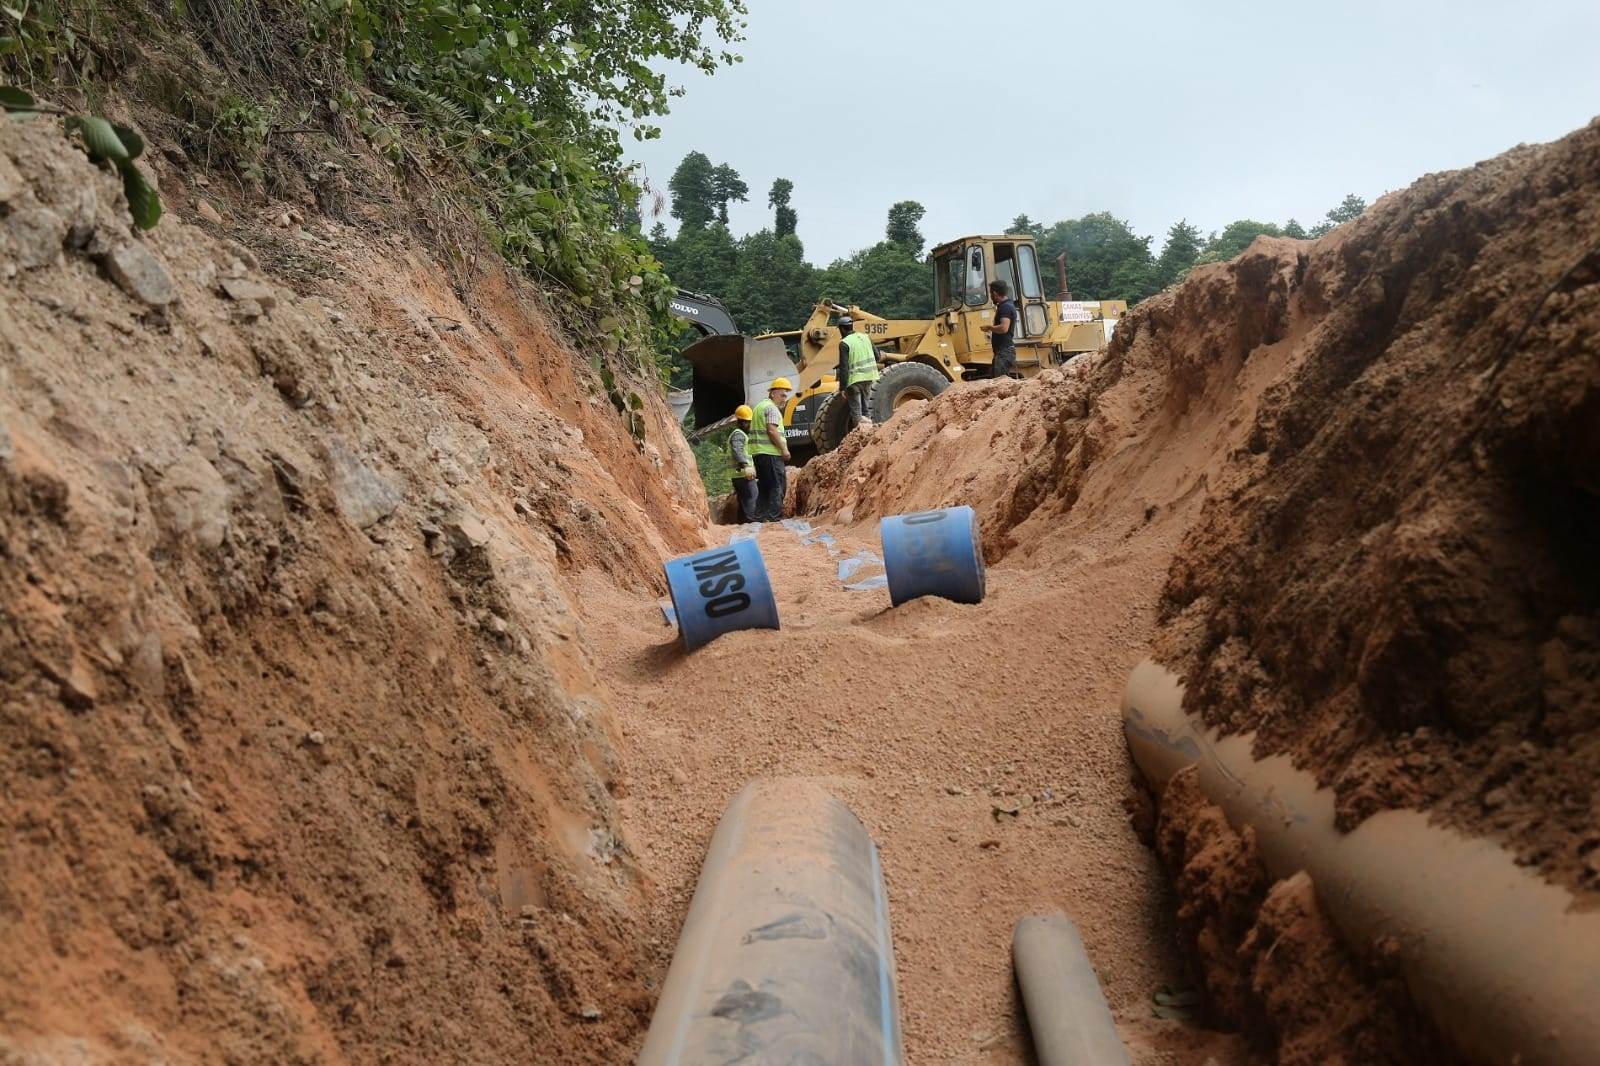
(858, 372)
(744, 468)
(770, 451)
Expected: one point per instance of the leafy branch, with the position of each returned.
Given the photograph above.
(105, 142)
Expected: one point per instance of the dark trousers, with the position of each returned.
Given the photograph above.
(856, 394)
(772, 480)
(1005, 361)
(745, 490)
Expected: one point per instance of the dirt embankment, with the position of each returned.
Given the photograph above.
(1106, 446)
(1382, 446)
(1397, 582)
(304, 754)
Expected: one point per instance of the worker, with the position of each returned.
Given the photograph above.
(1002, 331)
(858, 370)
(770, 450)
(744, 469)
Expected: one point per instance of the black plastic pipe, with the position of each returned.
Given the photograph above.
(785, 956)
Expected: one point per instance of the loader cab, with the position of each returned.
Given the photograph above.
(964, 269)
(960, 276)
(962, 272)
(1016, 262)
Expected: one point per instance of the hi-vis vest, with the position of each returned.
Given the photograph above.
(739, 448)
(759, 443)
(863, 360)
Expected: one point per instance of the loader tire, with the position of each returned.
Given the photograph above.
(903, 383)
(831, 423)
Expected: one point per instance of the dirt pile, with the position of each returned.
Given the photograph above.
(1396, 581)
(304, 754)
(1380, 450)
(987, 441)
(1104, 447)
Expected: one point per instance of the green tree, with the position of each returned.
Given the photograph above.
(904, 218)
(727, 185)
(1349, 210)
(1235, 238)
(1024, 224)
(1178, 254)
(1106, 260)
(632, 218)
(704, 259)
(532, 100)
(889, 279)
(1294, 229)
(773, 287)
(784, 218)
(694, 191)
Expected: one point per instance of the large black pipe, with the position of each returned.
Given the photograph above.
(785, 956)
(1507, 964)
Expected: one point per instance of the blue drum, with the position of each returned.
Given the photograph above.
(933, 553)
(720, 590)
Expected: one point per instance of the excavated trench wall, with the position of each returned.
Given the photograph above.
(303, 754)
(1396, 584)
(1380, 452)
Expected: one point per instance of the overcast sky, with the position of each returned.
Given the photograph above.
(1150, 109)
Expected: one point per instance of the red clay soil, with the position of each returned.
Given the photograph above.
(1382, 449)
(338, 722)
(976, 742)
(301, 753)
(1397, 581)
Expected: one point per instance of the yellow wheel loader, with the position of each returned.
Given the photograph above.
(917, 358)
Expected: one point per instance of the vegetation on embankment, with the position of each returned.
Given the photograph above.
(499, 113)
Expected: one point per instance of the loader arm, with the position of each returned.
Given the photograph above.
(819, 341)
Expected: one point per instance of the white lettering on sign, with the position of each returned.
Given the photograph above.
(685, 309)
(1076, 311)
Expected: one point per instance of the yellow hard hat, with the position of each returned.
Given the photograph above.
(743, 412)
(781, 383)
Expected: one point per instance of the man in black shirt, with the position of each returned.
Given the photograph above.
(1002, 331)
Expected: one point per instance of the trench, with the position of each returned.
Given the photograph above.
(980, 745)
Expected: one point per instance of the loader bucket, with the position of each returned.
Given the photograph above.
(729, 371)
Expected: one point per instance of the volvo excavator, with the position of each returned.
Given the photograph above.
(917, 358)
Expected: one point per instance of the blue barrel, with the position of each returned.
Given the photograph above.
(720, 590)
(933, 553)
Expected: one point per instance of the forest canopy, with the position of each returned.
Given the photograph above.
(768, 283)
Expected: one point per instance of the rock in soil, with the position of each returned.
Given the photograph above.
(35, 236)
(140, 274)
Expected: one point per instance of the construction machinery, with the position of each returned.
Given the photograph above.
(707, 316)
(917, 358)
